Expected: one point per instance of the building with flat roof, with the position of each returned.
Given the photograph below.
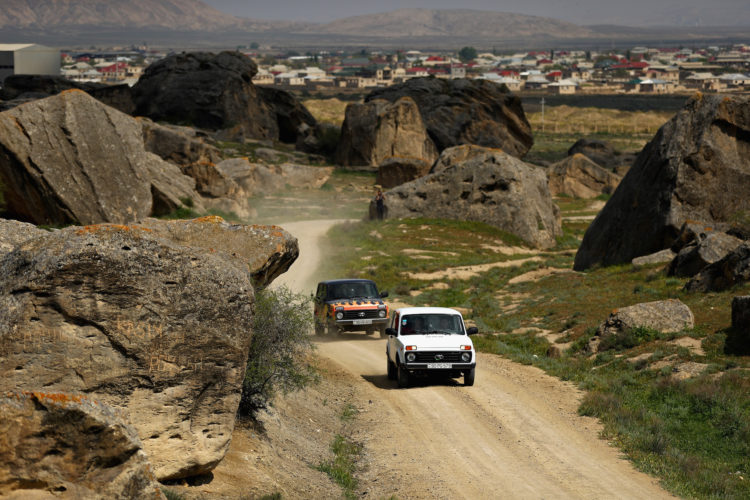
(28, 59)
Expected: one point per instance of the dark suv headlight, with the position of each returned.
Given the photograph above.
(465, 357)
(381, 313)
(339, 315)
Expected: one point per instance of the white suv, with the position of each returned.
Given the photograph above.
(424, 340)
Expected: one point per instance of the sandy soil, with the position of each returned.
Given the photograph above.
(514, 434)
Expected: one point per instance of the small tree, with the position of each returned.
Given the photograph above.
(279, 349)
(467, 54)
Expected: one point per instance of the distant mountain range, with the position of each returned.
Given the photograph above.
(450, 23)
(176, 15)
(66, 21)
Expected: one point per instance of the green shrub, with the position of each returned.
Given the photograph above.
(279, 349)
(629, 338)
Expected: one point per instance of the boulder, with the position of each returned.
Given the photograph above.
(600, 152)
(399, 170)
(660, 257)
(216, 92)
(738, 339)
(495, 188)
(258, 179)
(701, 253)
(182, 146)
(580, 177)
(265, 251)
(71, 159)
(18, 89)
(59, 445)
(663, 316)
(155, 328)
(466, 111)
(696, 167)
(13, 233)
(723, 274)
(693, 232)
(378, 129)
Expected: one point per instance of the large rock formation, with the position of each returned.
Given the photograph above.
(57, 445)
(464, 111)
(266, 251)
(18, 89)
(696, 167)
(155, 328)
(215, 92)
(494, 188)
(399, 170)
(70, 158)
(580, 177)
(377, 130)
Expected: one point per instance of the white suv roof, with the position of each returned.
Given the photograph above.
(427, 310)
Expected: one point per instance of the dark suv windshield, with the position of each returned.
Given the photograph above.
(353, 290)
(421, 324)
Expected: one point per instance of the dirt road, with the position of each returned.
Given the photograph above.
(514, 434)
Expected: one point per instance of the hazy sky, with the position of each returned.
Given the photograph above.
(624, 12)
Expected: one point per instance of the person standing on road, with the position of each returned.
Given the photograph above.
(380, 204)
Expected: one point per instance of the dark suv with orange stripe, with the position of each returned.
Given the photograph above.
(346, 305)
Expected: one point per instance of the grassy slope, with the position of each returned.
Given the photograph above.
(694, 434)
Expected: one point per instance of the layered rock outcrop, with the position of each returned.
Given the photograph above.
(155, 320)
(71, 159)
(378, 129)
(580, 177)
(58, 445)
(494, 187)
(466, 111)
(216, 92)
(697, 167)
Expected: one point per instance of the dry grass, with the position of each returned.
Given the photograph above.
(327, 110)
(569, 119)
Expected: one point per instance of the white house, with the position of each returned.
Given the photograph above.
(28, 59)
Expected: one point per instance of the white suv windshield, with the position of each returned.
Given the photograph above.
(421, 324)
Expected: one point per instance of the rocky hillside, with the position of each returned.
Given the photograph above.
(457, 22)
(195, 15)
(183, 15)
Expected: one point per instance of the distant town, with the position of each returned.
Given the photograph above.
(645, 70)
